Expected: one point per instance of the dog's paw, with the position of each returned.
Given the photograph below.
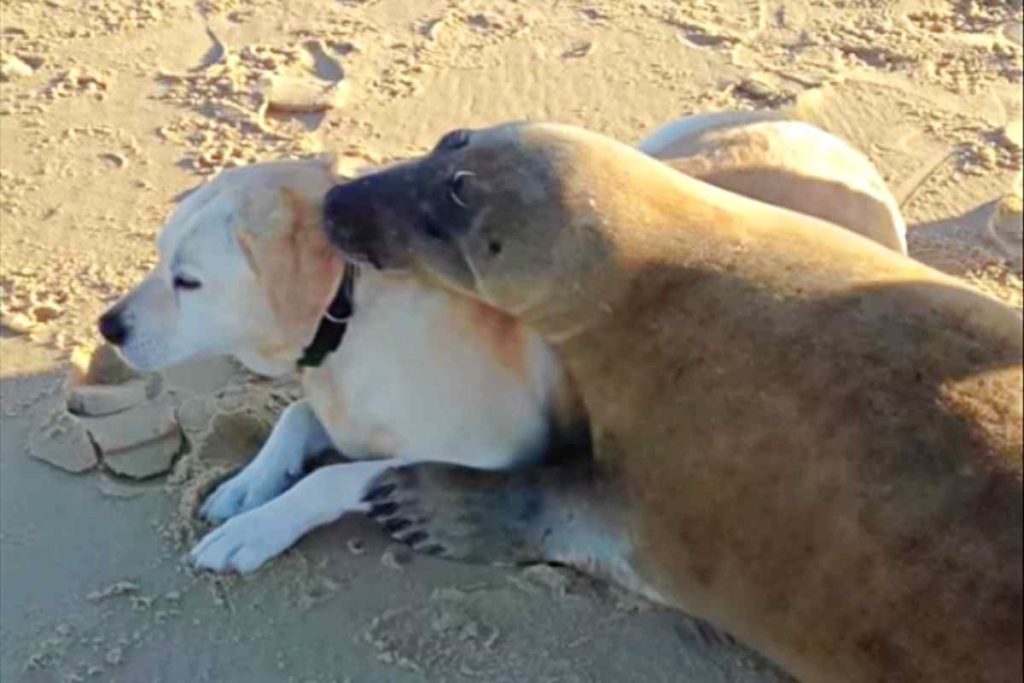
(244, 543)
(247, 490)
(458, 513)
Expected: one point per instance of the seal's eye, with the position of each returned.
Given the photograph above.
(457, 187)
(456, 139)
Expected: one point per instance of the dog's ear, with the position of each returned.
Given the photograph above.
(344, 167)
(280, 233)
(328, 160)
(264, 213)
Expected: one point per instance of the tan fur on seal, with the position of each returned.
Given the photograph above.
(818, 441)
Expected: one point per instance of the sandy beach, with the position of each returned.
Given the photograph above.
(111, 110)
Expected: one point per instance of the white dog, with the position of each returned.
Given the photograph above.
(245, 269)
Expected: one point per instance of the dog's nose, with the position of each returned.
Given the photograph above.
(113, 327)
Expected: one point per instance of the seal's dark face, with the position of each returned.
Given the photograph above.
(475, 212)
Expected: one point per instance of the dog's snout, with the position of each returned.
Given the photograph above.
(113, 327)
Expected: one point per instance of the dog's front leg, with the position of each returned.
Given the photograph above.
(245, 542)
(297, 436)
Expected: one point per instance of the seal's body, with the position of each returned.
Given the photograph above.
(804, 437)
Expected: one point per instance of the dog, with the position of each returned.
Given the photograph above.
(421, 374)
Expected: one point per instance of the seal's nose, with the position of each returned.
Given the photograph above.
(336, 205)
(349, 212)
(113, 327)
(349, 207)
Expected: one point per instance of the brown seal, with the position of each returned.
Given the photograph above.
(806, 438)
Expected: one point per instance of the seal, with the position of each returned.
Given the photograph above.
(799, 435)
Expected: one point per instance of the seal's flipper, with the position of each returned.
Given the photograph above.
(564, 513)
(466, 514)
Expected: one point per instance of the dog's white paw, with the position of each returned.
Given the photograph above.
(246, 542)
(247, 490)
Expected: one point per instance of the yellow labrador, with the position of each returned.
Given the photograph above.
(421, 374)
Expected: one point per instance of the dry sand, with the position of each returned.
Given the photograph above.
(112, 108)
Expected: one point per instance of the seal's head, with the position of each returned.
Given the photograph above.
(510, 215)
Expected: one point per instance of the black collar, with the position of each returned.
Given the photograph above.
(332, 326)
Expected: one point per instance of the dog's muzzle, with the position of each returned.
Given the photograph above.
(113, 326)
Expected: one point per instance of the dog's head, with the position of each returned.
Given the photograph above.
(244, 269)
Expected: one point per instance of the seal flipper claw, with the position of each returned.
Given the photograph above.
(378, 492)
(466, 514)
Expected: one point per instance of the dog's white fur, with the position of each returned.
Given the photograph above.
(422, 374)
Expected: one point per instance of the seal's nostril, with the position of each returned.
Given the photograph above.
(112, 328)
